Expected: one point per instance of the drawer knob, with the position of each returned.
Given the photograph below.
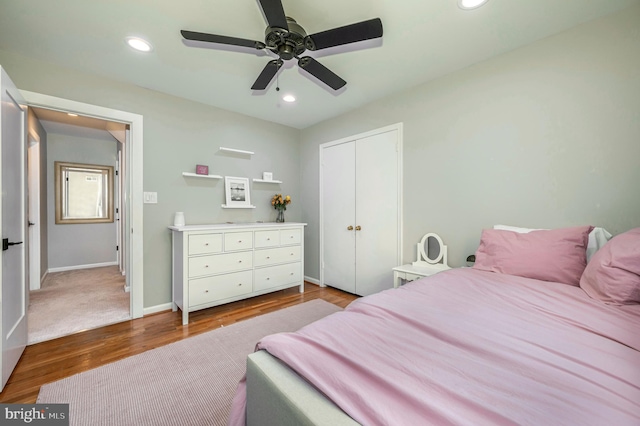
(239, 284)
(239, 261)
(239, 241)
(268, 239)
(291, 236)
(291, 273)
(206, 244)
(268, 278)
(206, 266)
(206, 291)
(268, 257)
(291, 254)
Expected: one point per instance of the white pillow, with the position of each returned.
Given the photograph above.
(597, 238)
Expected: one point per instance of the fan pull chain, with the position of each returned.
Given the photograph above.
(278, 75)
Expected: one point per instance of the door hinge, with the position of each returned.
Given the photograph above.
(117, 248)
(117, 210)
(116, 173)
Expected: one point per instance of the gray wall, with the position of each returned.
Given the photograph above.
(87, 243)
(544, 136)
(178, 134)
(36, 127)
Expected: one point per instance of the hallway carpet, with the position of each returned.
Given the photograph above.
(73, 301)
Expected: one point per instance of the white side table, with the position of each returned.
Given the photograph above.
(410, 272)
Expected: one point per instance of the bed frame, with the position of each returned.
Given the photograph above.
(277, 396)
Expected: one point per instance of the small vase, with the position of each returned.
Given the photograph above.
(280, 218)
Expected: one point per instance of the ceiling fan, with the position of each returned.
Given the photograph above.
(287, 39)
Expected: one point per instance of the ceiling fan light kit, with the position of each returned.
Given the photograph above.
(287, 39)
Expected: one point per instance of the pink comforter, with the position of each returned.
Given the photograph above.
(468, 347)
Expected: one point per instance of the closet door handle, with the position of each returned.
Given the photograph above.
(358, 228)
(349, 228)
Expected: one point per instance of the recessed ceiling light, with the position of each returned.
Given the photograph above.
(289, 98)
(139, 44)
(470, 4)
(70, 114)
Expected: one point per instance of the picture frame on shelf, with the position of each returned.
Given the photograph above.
(267, 176)
(202, 169)
(237, 191)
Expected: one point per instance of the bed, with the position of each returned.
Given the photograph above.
(469, 346)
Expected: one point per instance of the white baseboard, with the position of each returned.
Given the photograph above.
(312, 280)
(127, 289)
(73, 268)
(157, 308)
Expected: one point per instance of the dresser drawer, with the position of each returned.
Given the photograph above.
(274, 276)
(276, 255)
(220, 263)
(290, 236)
(267, 239)
(238, 241)
(205, 244)
(219, 287)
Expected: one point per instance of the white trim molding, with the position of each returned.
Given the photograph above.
(158, 308)
(87, 266)
(312, 280)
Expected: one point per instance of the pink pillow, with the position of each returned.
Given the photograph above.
(613, 275)
(558, 255)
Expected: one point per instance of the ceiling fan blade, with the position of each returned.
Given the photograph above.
(274, 13)
(321, 72)
(213, 38)
(360, 31)
(266, 75)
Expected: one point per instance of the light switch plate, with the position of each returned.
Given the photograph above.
(151, 198)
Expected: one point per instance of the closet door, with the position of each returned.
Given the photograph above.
(361, 211)
(377, 212)
(338, 214)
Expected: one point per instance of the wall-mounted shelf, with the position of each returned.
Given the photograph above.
(224, 206)
(237, 151)
(267, 181)
(201, 176)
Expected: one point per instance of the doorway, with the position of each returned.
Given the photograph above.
(81, 286)
(131, 217)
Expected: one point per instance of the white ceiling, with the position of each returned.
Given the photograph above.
(423, 39)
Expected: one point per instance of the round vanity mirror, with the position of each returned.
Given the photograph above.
(434, 242)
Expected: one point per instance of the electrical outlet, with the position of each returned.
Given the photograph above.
(151, 198)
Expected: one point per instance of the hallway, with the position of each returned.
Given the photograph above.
(77, 300)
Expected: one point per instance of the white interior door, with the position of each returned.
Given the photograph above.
(33, 173)
(118, 206)
(338, 214)
(377, 212)
(126, 219)
(13, 285)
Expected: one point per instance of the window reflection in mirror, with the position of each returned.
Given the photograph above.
(84, 193)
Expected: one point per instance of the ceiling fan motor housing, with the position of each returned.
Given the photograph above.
(287, 44)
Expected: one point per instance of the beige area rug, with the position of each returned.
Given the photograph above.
(190, 382)
(73, 301)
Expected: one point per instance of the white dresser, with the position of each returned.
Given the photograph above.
(221, 263)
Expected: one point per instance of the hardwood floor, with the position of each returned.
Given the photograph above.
(56, 359)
